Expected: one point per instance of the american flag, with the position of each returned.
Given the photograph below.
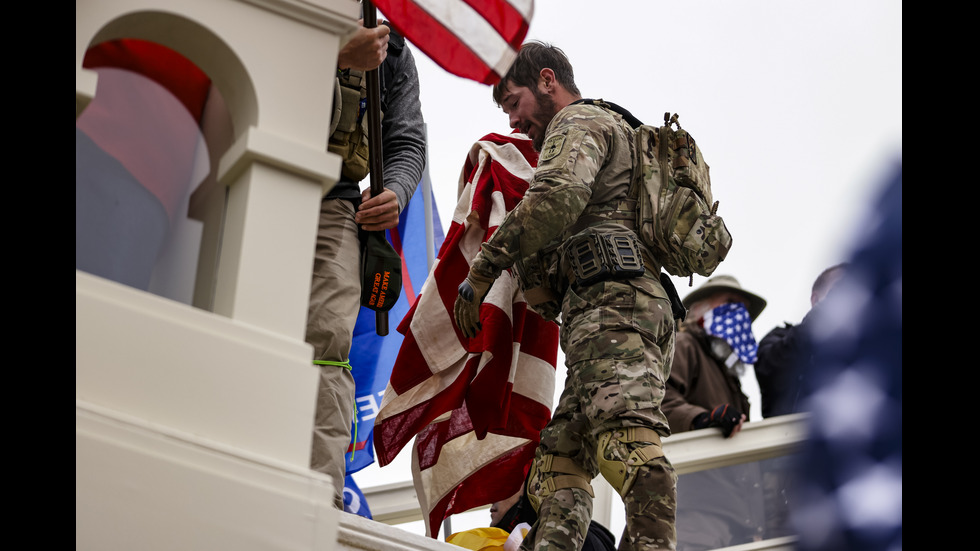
(474, 39)
(475, 406)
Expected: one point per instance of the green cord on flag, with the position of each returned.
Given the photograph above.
(344, 364)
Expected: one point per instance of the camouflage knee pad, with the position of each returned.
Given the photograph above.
(542, 480)
(620, 458)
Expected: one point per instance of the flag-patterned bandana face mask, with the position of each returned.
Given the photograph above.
(733, 323)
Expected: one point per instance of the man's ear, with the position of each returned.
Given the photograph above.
(547, 80)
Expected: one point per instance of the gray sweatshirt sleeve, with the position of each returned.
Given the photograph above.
(403, 130)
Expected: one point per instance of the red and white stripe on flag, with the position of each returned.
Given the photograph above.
(474, 39)
(474, 406)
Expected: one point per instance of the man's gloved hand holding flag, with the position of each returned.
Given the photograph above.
(472, 291)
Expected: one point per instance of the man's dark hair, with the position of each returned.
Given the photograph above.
(532, 57)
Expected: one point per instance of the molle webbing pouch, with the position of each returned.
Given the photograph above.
(688, 162)
(599, 256)
(350, 136)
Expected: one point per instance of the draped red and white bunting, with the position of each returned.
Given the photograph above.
(474, 406)
(474, 39)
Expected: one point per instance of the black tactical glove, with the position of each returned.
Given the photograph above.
(724, 416)
(472, 291)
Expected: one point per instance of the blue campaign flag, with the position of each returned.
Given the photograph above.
(354, 501)
(372, 357)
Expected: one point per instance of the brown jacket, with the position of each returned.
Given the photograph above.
(698, 382)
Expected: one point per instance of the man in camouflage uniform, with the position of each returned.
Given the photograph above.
(617, 325)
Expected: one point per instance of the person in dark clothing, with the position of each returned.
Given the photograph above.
(516, 510)
(780, 355)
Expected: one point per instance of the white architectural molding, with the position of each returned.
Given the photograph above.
(255, 145)
(140, 485)
(201, 373)
(359, 533)
(327, 15)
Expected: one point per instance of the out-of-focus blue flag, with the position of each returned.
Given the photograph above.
(849, 471)
(354, 501)
(372, 356)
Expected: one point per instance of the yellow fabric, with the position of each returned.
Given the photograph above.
(480, 539)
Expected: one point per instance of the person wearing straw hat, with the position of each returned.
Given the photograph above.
(723, 506)
(710, 352)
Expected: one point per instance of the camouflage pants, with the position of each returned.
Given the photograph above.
(618, 339)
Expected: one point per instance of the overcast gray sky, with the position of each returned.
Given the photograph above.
(796, 105)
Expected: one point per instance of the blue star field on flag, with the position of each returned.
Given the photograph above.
(733, 323)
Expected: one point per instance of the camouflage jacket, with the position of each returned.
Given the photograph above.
(582, 180)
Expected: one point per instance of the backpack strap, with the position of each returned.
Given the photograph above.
(627, 116)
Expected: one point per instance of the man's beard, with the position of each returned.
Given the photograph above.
(544, 111)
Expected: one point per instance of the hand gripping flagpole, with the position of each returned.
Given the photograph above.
(374, 140)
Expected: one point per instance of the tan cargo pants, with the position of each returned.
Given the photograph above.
(334, 304)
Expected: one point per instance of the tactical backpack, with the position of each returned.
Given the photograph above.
(676, 217)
